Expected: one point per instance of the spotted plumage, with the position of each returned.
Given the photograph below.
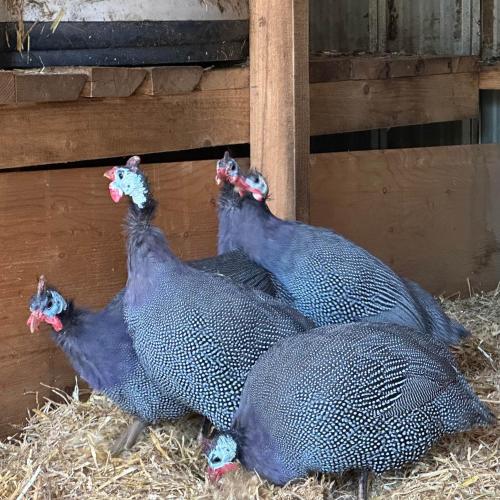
(197, 334)
(319, 272)
(318, 403)
(100, 348)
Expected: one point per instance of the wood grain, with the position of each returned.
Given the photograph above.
(48, 87)
(63, 223)
(279, 100)
(225, 78)
(112, 82)
(95, 128)
(169, 80)
(489, 78)
(7, 87)
(430, 213)
(341, 68)
(370, 104)
(101, 128)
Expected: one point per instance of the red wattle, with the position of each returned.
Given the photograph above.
(55, 322)
(215, 474)
(116, 194)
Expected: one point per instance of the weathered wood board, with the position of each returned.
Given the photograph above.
(431, 213)
(489, 78)
(105, 128)
(348, 106)
(279, 100)
(63, 223)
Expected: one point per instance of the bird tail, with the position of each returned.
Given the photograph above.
(440, 326)
(460, 331)
(461, 409)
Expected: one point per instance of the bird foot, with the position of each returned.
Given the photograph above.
(128, 437)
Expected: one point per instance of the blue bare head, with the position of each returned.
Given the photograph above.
(221, 456)
(228, 170)
(46, 306)
(128, 180)
(254, 183)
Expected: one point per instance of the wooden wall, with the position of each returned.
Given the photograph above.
(63, 223)
(431, 213)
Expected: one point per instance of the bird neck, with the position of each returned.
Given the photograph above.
(97, 345)
(146, 248)
(250, 226)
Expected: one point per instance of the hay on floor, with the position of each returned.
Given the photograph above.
(62, 451)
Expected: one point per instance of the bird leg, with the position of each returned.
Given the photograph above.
(363, 485)
(128, 437)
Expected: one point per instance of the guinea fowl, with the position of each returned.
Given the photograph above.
(316, 403)
(323, 275)
(101, 352)
(196, 333)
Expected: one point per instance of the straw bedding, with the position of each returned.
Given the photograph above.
(62, 450)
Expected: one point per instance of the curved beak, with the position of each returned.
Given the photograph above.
(110, 174)
(36, 317)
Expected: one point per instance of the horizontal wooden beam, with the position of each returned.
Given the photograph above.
(102, 128)
(369, 104)
(48, 87)
(111, 81)
(430, 213)
(62, 223)
(92, 129)
(170, 80)
(489, 77)
(341, 68)
(7, 87)
(225, 78)
(62, 83)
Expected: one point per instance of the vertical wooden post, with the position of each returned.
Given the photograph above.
(279, 101)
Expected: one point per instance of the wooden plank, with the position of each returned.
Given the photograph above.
(169, 80)
(364, 105)
(63, 223)
(7, 87)
(430, 213)
(48, 87)
(112, 82)
(326, 69)
(93, 129)
(329, 69)
(225, 78)
(489, 77)
(279, 100)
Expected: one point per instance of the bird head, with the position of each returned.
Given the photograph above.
(221, 456)
(228, 170)
(45, 306)
(128, 180)
(255, 184)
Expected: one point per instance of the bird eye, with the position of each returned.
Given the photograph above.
(216, 460)
(50, 304)
(120, 175)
